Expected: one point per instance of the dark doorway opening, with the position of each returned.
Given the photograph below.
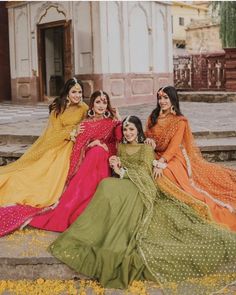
(55, 65)
(5, 81)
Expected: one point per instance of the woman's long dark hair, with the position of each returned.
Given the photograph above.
(173, 96)
(98, 93)
(138, 124)
(59, 103)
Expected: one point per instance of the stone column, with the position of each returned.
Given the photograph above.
(230, 69)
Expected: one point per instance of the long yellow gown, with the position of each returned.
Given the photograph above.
(38, 177)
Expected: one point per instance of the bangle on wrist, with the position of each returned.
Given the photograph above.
(159, 164)
(164, 160)
(73, 135)
(122, 172)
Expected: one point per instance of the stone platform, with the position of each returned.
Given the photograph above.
(23, 255)
(213, 124)
(213, 150)
(203, 117)
(207, 96)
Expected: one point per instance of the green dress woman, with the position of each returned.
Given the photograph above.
(133, 231)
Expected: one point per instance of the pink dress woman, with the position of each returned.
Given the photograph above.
(88, 166)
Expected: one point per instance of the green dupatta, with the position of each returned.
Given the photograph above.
(185, 253)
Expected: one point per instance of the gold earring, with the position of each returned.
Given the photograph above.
(68, 102)
(172, 110)
(91, 113)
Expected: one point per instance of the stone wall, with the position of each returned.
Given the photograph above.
(123, 47)
(203, 37)
(126, 89)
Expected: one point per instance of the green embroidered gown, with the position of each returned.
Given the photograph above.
(133, 231)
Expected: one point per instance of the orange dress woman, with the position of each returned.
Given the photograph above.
(179, 160)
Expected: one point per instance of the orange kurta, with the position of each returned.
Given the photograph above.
(209, 183)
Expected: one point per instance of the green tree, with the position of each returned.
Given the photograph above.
(227, 13)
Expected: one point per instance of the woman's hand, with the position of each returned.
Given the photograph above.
(157, 172)
(73, 135)
(151, 142)
(97, 142)
(104, 146)
(94, 143)
(117, 115)
(162, 160)
(114, 162)
(80, 128)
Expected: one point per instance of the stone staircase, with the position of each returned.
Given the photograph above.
(26, 263)
(215, 146)
(207, 96)
(24, 255)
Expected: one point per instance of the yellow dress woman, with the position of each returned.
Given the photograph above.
(38, 177)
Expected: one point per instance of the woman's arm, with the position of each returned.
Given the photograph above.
(55, 121)
(115, 164)
(118, 131)
(174, 143)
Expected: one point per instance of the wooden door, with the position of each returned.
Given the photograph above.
(41, 62)
(68, 54)
(68, 68)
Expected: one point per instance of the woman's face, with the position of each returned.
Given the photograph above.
(75, 94)
(100, 105)
(130, 133)
(164, 101)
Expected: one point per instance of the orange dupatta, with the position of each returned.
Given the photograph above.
(216, 182)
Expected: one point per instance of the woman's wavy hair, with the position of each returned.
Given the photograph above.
(98, 93)
(173, 96)
(60, 102)
(138, 124)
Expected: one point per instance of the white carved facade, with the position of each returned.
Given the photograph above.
(124, 48)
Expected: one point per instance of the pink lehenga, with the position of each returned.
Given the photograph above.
(88, 166)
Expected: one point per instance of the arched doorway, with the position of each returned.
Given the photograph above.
(54, 57)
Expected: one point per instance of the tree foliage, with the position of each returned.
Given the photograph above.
(227, 13)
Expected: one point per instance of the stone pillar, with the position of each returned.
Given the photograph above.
(230, 69)
(199, 68)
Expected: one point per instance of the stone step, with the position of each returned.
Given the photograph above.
(11, 152)
(29, 139)
(218, 149)
(214, 134)
(213, 149)
(28, 248)
(207, 96)
(230, 164)
(24, 256)
(15, 138)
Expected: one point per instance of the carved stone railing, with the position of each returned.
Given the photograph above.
(183, 72)
(200, 72)
(216, 71)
